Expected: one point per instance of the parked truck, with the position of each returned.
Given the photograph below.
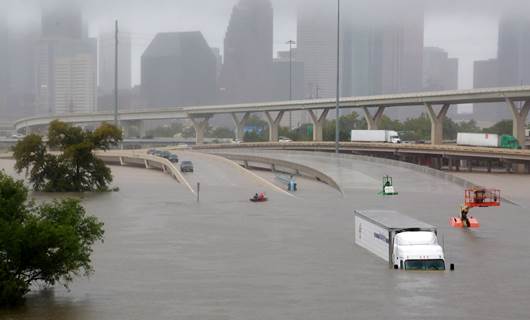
(405, 243)
(487, 140)
(375, 136)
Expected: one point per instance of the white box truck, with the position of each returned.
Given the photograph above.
(404, 242)
(375, 136)
(487, 140)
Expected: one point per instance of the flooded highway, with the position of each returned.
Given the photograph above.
(165, 256)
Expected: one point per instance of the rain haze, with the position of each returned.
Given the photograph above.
(255, 159)
(466, 29)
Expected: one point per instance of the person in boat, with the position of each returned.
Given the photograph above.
(261, 196)
(256, 197)
(463, 217)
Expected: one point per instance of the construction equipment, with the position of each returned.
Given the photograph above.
(388, 187)
(475, 197)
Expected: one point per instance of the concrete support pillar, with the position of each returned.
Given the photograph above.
(141, 128)
(519, 120)
(125, 126)
(274, 124)
(437, 121)
(200, 125)
(318, 124)
(373, 121)
(240, 124)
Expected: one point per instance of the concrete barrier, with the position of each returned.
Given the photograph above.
(280, 166)
(141, 159)
(426, 170)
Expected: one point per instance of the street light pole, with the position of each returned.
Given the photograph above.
(116, 76)
(291, 43)
(337, 106)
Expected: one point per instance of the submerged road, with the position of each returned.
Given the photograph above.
(167, 257)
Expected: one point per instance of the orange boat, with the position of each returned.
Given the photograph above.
(456, 222)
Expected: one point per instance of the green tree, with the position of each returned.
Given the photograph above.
(222, 133)
(417, 128)
(166, 131)
(75, 168)
(501, 127)
(48, 244)
(347, 123)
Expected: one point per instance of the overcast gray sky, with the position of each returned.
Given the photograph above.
(467, 29)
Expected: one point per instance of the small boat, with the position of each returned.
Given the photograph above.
(456, 222)
(259, 200)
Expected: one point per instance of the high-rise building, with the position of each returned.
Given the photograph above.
(511, 68)
(63, 19)
(66, 74)
(316, 48)
(22, 73)
(486, 75)
(179, 69)
(106, 48)
(514, 50)
(382, 52)
(248, 52)
(289, 86)
(218, 60)
(362, 60)
(4, 66)
(439, 71)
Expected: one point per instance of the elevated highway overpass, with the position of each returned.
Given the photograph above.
(451, 157)
(436, 104)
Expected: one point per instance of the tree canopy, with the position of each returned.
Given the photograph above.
(74, 168)
(48, 244)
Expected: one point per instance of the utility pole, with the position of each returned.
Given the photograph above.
(337, 113)
(116, 76)
(291, 43)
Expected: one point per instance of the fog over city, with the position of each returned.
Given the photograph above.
(465, 30)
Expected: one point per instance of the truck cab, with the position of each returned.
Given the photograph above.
(393, 137)
(418, 250)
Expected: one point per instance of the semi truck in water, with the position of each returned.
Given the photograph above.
(375, 136)
(487, 140)
(405, 243)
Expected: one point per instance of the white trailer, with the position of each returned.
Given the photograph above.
(478, 139)
(375, 136)
(404, 242)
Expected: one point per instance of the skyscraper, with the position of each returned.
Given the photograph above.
(4, 66)
(316, 48)
(179, 69)
(248, 51)
(514, 50)
(106, 48)
(22, 73)
(439, 71)
(486, 75)
(66, 76)
(511, 68)
(66, 62)
(62, 19)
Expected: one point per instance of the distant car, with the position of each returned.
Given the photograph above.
(18, 136)
(173, 158)
(284, 140)
(164, 154)
(186, 166)
(151, 151)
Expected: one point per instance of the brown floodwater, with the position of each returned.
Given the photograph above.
(165, 256)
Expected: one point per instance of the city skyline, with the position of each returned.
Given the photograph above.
(447, 26)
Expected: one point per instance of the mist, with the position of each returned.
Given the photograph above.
(467, 30)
